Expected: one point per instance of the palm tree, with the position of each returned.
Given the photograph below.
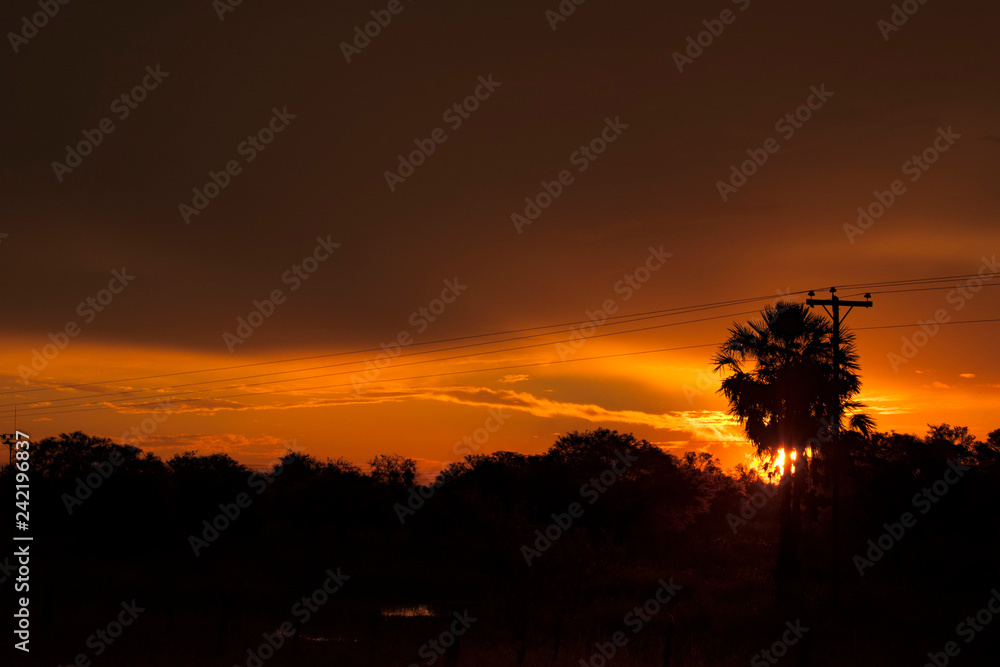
(783, 389)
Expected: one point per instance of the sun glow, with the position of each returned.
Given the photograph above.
(781, 458)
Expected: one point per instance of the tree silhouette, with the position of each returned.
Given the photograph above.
(75, 454)
(393, 470)
(132, 516)
(781, 389)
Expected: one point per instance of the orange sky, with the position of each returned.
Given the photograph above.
(592, 113)
(668, 397)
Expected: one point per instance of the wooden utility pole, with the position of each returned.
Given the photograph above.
(836, 458)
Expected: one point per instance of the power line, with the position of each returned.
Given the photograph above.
(926, 289)
(902, 326)
(641, 315)
(450, 373)
(415, 377)
(621, 319)
(913, 281)
(348, 363)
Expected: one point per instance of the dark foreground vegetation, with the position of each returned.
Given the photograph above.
(440, 574)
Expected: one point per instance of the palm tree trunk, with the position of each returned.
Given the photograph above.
(835, 525)
(786, 541)
(793, 487)
(799, 482)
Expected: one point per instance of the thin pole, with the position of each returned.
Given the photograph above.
(835, 445)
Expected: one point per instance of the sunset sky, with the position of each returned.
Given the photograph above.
(627, 139)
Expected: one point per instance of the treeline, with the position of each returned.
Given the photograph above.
(596, 518)
(630, 495)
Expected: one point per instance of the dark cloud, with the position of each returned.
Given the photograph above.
(323, 174)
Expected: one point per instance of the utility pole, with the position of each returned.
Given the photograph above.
(834, 302)
(9, 439)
